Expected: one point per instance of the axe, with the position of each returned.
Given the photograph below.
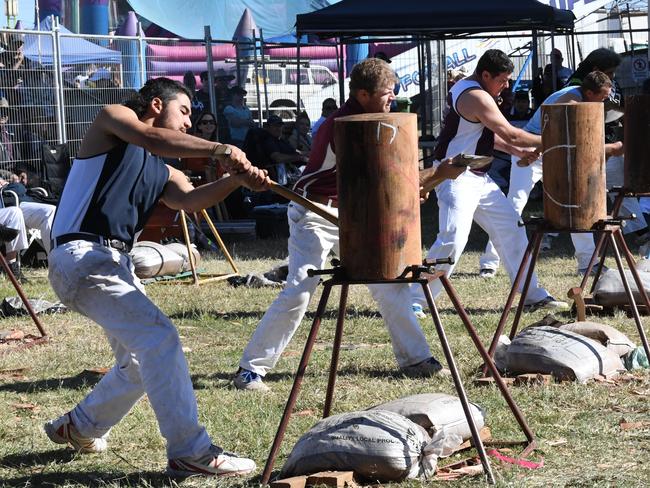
(223, 151)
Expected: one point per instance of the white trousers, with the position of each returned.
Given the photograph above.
(99, 283)
(522, 181)
(477, 197)
(13, 218)
(39, 216)
(311, 239)
(614, 169)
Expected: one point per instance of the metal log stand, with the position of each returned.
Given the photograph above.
(609, 233)
(411, 274)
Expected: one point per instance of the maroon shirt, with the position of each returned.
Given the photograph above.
(319, 176)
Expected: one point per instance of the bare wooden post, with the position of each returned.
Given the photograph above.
(637, 143)
(379, 202)
(573, 143)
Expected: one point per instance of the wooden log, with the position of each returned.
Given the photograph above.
(637, 143)
(378, 185)
(573, 143)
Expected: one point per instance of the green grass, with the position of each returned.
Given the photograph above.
(577, 425)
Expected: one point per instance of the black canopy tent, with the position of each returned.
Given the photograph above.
(432, 20)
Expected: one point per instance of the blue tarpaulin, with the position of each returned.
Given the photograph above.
(186, 19)
(74, 50)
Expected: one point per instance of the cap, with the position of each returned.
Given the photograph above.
(382, 55)
(274, 120)
(222, 74)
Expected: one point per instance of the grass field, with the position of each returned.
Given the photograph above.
(578, 429)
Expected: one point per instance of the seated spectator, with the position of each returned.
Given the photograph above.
(35, 215)
(12, 218)
(209, 169)
(328, 108)
(239, 117)
(521, 111)
(265, 149)
(300, 139)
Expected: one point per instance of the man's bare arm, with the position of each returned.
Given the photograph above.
(117, 122)
(478, 105)
(179, 193)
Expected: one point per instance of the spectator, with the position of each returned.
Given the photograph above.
(12, 218)
(265, 148)
(521, 110)
(562, 73)
(222, 97)
(208, 168)
(197, 105)
(239, 117)
(300, 139)
(328, 108)
(8, 143)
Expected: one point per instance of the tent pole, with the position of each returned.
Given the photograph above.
(339, 60)
(208, 52)
(423, 101)
(298, 77)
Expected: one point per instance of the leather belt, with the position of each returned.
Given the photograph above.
(86, 236)
(322, 199)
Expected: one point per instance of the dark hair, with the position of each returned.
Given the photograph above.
(204, 76)
(329, 102)
(162, 88)
(601, 58)
(201, 116)
(189, 80)
(495, 62)
(596, 81)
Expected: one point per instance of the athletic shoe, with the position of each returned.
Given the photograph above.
(216, 462)
(547, 242)
(582, 271)
(418, 311)
(63, 431)
(487, 273)
(548, 303)
(248, 380)
(428, 367)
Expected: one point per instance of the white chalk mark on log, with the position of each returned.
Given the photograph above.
(391, 127)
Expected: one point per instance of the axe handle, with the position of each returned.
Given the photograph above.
(299, 199)
(223, 151)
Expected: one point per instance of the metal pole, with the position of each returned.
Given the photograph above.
(298, 104)
(58, 81)
(141, 56)
(208, 52)
(264, 76)
(341, 73)
(257, 80)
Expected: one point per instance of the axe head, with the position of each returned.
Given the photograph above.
(471, 161)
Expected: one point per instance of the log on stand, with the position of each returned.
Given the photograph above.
(573, 138)
(378, 183)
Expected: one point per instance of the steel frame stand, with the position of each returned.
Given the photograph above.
(609, 232)
(19, 289)
(340, 279)
(196, 281)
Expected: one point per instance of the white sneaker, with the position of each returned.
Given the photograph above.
(418, 311)
(426, 368)
(216, 462)
(487, 273)
(548, 303)
(63, 431)
(248, 380)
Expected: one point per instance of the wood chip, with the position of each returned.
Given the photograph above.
(25, 406)
(645, 424)
(99, 370)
